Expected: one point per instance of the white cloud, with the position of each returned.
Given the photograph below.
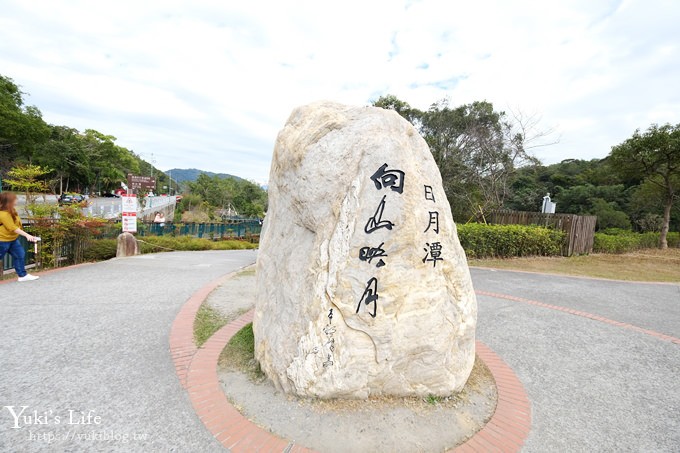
(209, 84)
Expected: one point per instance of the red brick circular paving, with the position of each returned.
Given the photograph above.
(197, 371)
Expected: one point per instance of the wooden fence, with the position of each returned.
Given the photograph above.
(579, 229)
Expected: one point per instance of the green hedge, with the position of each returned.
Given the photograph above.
(104, 249)
(504, 241)
(100, 250)
(622, 241)
(478, 240)
(189, 243)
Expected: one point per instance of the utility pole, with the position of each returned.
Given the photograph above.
(153, 164)
(170, 183)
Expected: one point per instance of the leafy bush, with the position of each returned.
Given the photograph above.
(673, 239)
(503, 241)
(104, 249)
(195, 216)
(65, 232)
(100, 250)
(615, 240)
(153, 244)
(650, 222)
(608, 215)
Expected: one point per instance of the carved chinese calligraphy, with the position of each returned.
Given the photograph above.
(433, 250)
(433, 222)
(376, 222)
(381, 178)
(389, 178)
(329, 345)
(429, 194)
(369, 253)
(370, 296)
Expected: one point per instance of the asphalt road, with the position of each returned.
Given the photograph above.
(94, 340)
(593, 387)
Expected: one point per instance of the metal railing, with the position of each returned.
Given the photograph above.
(111, 208)
(208, 230)
(203, 230)
(246, 228)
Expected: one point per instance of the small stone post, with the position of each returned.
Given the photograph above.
(126, 246)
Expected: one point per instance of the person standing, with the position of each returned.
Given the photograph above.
(10, 230)
(159, 220)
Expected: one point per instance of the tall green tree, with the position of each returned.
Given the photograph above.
(477, 149)
(89, 160)
(29, 179)
(21, 126)
(653, 157)
(221, 194)
(403, 108)
(110, 163)
(65, 154)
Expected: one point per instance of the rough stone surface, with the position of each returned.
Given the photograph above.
(417, 337)
(126, 245)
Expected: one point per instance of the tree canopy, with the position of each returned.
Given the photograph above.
(652, 157)
(478, 151)
(78, 161)
(223, 196)
(485, 161)
(71, 160)
(21, 127)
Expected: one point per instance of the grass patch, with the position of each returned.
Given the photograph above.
(207, 322)
(648, 265)
(239, 354)
(247, 272)
(433, 399)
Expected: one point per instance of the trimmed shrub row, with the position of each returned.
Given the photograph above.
(478, 240)
(622, 241)
(104, 249)
(100, 250)
(189, 243)
(504, 241)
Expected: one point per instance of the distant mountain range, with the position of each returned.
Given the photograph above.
(191, 174)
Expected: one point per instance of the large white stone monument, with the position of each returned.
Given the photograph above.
(363, 287)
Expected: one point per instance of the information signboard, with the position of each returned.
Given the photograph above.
(129, 213)
(136, 182)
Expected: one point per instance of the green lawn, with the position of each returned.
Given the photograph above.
(649, 265)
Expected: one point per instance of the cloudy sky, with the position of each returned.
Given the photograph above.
(208, 84)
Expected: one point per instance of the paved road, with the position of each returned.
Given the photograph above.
(95, 338)
(594, 387)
